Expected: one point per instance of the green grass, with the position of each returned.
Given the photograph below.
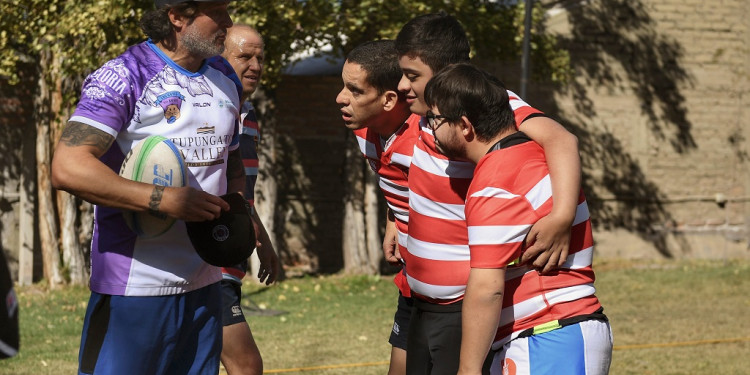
(664, 316)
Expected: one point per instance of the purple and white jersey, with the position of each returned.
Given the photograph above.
(141, 93)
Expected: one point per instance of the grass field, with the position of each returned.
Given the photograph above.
(668, 318)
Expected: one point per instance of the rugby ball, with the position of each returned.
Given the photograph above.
(154, 160)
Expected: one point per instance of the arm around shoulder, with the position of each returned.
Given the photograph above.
(550, 237)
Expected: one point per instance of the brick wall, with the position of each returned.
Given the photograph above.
(312, 143)
(659, 104)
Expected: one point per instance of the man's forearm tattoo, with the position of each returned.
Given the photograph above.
(78, 134)
(153, 204)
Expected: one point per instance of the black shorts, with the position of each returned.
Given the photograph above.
(434, 339)
(401, 322)
(231, 295)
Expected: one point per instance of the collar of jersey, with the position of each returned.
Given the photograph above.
(173, 64)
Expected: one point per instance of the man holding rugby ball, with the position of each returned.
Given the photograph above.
(155, 305)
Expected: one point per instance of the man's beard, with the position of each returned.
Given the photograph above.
(453, 151)
(199, 46)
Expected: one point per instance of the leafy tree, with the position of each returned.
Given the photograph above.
(64, 40)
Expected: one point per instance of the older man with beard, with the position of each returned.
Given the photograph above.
(155, 305)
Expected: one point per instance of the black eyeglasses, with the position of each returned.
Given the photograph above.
(435, 121)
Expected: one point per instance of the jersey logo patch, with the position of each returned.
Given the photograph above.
(170, 102)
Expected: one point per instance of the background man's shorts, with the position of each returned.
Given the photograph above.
(401, 322)
(231, 296)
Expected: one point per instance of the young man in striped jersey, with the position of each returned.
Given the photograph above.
(239, 354)
(535, 323)
(386, 131)
(437, 260)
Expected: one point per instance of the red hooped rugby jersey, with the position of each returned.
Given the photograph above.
(511, 190)
(390, 159)
(437, 260)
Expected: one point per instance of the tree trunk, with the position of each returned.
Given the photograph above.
(47, 217)
(27, 207)
(71, 247)
(354, 236)
(85, 233)
(72, 256)
(372, 223)
(266, 189)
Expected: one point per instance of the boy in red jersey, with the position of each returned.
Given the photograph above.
(437, 260)
(535, 323)
(386, 132)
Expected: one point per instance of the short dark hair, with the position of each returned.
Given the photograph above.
(465, 90)
(156, 25)
(438, 39)
(380, 60)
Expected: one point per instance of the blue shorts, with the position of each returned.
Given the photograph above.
(584, 348)
(177, 334)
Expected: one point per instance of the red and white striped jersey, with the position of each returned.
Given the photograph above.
(390, 160)
(437, 262)
(511, 190)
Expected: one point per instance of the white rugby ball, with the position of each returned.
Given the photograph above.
(154, 160)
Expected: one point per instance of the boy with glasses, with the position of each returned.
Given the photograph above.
(535, 324)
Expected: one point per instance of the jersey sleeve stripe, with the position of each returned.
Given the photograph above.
(400, 214)
(401, 159)
(391, 187)
(402, 236)
(582, 213)
(441, 167)
(540, 193)
(367, 148)
(493, 192)
(497, 234)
